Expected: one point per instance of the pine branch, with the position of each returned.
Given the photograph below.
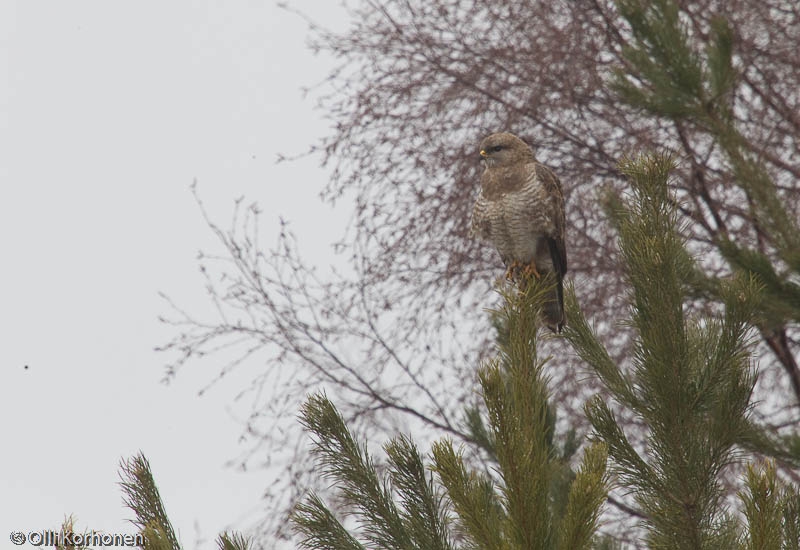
(691, 379)
(480, 516)
(587, 494)
(422, 509)
(763, 508)
(141, 496)
(319, 528)
(667, 77)
(233, 541)
(342, 459)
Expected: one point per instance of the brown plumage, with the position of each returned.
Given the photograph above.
(520, 210)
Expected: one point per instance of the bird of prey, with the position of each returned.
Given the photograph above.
(520, 210)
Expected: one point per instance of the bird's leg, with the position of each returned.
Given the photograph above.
(530, 269)
(512, 267)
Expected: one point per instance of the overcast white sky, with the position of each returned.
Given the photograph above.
(108, 111)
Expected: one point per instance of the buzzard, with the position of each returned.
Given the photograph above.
(520, 210)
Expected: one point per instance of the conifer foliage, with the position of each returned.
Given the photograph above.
(666, 77)
(416, 84)
(523, 505)
(689, 383)
(143, 498)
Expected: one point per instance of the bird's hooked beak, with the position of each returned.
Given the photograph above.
(484, 154)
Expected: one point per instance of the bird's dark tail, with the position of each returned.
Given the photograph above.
(553, 308)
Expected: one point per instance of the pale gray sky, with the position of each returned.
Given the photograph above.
(108, 111)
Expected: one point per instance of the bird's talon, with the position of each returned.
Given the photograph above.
(512, 267)
(530, 270)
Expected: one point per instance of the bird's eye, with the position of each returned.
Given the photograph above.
(497, 148)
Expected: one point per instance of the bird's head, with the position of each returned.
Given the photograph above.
(504, 149)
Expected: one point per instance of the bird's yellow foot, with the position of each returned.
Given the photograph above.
(530, 270)
(511, 270)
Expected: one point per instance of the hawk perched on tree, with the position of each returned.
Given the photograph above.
(520, 210)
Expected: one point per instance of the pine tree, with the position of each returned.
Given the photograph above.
(531, 502)
(665, 77)
(689, 383)
(143, 498)
(416, 84)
